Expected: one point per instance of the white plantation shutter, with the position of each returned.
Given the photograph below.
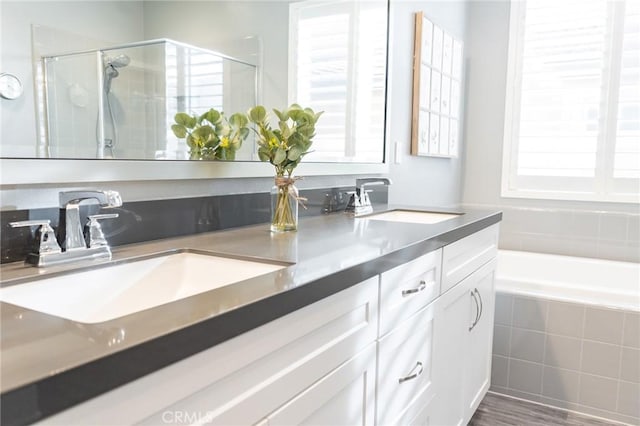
(627, 152)
(338, 66)
(194, 84)
(571, 128)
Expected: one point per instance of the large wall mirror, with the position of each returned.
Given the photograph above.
(103, 79)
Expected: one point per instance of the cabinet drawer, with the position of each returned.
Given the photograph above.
(405, 368)
(406, 289)
(461, 258)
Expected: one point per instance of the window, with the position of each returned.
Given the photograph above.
(572, 119)
(194, 84)
(338, 64)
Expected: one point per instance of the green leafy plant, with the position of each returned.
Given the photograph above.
(285, 145)
(212, 136)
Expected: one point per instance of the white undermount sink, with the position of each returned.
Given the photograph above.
(110, 292)
(412, 216)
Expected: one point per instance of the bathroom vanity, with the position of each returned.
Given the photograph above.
(368, 321)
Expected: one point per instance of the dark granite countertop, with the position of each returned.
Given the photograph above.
(49, 363)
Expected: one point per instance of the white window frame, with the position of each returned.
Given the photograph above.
(598, 189)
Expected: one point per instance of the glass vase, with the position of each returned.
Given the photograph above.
(284, 205)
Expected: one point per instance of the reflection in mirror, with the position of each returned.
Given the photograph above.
(103, 79)
(121, 102)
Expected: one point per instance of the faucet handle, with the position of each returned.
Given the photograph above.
(45, 241)
(93, 230)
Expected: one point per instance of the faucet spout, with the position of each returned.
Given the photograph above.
(70, 202)
(360, 203)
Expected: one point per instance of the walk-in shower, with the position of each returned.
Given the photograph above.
(120, 102)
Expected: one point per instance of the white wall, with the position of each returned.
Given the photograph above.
(18, 117)
(420, 181)
(604, 230)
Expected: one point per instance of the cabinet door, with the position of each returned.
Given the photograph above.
(480, 339)
(455, 313)
(346, 396)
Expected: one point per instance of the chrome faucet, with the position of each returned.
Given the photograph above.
(76, 244)
(359, 203)
(70, 202)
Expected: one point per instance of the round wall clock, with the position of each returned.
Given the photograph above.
(10, 86)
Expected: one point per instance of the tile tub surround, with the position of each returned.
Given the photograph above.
(151, 220)
(568, 355)
(602, 234)
(49, 364)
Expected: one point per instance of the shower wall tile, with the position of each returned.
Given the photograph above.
(601, 359)
(566, 319)
(630, 365)
(628, 397)
(631, 335)
(563, 352)
(499, 371)
(611, 235)
(526, 345)
(598, 392)
(501, 340)
(560, 384)
(504, 307)
(525, 376)
(529, 313)
(604, 325)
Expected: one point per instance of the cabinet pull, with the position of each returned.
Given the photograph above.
(481, 306)
(412, 375)
(475, 299)
(422, 286)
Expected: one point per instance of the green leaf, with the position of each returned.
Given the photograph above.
(179, 130)
(263, 154)
(185, 119)
(257, 114)
(243, 133)
(285, 130)
(282, 116)
(294, 153)
(280, 156)
(212, 116)
(238, 120)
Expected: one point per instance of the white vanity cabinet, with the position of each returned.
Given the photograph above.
(410, 346)
(463, 328)
(312, 360)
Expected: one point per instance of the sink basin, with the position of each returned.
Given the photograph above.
(412, 216)
(110, 292)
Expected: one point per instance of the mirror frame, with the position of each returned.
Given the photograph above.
(34, 171)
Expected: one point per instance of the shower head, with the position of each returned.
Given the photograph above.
(119, 61)
(110, 71)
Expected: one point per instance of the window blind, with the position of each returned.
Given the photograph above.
(339, 57)
(573, 112)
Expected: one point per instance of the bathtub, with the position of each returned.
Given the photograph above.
(605, 283)
(566, 333)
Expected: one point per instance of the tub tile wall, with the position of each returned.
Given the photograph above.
(600, 234)
(568, 355)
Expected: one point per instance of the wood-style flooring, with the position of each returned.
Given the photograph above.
(499, 410)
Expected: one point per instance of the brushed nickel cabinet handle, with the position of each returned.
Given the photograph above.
(422, 286)
(475, 321)
(412, 375)
(481, 305)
